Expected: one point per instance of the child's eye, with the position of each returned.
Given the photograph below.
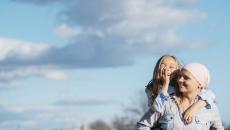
(163, 65)
(172, 67)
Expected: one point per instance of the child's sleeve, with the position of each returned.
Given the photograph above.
(159, 103)
(160, 100)
(208, 96)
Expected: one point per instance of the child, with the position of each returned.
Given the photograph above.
(164, 84)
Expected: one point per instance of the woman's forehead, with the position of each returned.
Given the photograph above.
(186, 72)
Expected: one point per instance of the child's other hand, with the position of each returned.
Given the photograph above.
(189, 116)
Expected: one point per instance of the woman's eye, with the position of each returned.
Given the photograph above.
(186, 77)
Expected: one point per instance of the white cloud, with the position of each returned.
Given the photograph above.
(65, 31)
(54, 74)
(43, 71)
(21, 59)
(121, 29)
(101, 33)
(136, 27)
(21, 49)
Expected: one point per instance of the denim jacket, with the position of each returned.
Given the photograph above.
(160, 100)
(171, 118)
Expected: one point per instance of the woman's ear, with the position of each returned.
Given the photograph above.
(200, 88)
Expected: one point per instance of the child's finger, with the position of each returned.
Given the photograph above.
(185, 117)
(161, 72)
(189, 120)
(165, 72)
(186, 120)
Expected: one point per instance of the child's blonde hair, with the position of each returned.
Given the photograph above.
(156, 83)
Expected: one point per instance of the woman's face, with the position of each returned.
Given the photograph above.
(170, 66)
(187, 83)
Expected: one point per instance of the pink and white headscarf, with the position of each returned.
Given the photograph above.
(200, 72)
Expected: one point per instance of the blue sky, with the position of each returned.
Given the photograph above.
(66, 63)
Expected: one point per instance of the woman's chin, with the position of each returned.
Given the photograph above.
(182, 89)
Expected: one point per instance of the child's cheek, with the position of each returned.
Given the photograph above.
(169, 72)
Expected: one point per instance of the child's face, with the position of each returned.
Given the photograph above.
(169, 65)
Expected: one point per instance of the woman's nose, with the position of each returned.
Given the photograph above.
(180, 79)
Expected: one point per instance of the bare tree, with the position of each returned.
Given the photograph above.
(99, 125)
(123, 123)
(132, 113)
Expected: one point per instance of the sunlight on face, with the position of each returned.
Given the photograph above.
(187, 82)
(169, 64)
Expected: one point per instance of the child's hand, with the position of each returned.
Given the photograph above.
(189, 115)
(165, 77)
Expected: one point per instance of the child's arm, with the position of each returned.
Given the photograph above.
(158, 103)
(189, 114)
(162, 96)
(207, 98)
(164, 89)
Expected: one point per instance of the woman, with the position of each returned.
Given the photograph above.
(192, 79)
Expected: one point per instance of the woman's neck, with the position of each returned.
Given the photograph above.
(188, 97)
(185, 101)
